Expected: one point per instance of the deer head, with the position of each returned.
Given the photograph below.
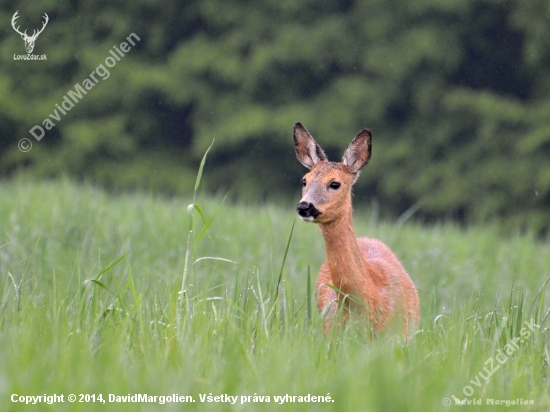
(29, 40)
(326, 193)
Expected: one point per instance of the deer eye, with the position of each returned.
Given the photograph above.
(334, 185)
(303, 181)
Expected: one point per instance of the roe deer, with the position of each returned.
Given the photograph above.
(356, 268)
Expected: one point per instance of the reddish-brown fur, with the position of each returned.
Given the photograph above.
(364, 268)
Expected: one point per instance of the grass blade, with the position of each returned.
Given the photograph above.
(111, 265)
(207, 224)
(102, 285)
(220, 259)
(201, 167)
(284, 261)
(201, 213)
(308, 296)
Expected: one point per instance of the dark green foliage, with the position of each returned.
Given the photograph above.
(456, 93)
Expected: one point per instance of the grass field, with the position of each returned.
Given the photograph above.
(90, 304)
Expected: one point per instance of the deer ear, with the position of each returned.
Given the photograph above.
(308, 152)
(358, 153)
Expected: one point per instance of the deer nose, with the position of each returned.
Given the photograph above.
(306, 209)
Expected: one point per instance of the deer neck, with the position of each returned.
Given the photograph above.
(349, 270)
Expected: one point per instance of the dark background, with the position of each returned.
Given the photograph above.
(456, 93)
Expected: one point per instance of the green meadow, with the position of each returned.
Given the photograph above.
(108, 296)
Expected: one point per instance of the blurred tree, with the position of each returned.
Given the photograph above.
(455, 91)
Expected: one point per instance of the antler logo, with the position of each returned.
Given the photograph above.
(29, 40)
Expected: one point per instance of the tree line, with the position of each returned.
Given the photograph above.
(456, 93)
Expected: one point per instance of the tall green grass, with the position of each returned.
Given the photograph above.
(91, 303)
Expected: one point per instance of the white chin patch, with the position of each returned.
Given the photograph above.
(307, 218)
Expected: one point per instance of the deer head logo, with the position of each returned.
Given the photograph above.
(29, 40)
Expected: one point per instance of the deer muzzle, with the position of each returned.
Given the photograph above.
(307, 211)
